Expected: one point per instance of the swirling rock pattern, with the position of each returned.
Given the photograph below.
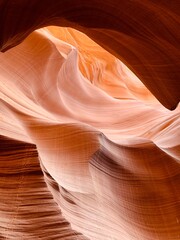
(87, 151)
(142, 34)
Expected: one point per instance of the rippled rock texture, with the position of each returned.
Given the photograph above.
(89, 147)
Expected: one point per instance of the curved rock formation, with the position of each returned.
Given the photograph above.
(142, 34)
(87, 151)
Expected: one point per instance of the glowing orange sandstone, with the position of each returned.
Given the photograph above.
(87, 152)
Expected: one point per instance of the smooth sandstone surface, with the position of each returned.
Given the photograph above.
(87, 149)
(143, 34)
